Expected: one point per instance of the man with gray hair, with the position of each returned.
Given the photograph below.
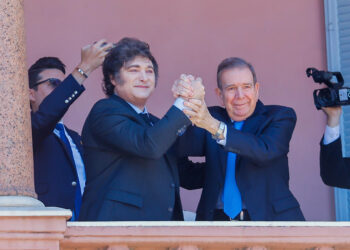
(245, 144)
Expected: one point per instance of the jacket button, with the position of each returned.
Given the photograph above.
(74, 183)
(172, 185)
(170, 209)
(66, 101)
(75, 92)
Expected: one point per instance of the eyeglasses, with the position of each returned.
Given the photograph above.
(54, 82)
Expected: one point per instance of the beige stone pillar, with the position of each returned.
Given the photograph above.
(24, 221)
(16, 156)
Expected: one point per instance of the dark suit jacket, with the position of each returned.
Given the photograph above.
(131, 173)
(261, 167)
(54, 171)
(335, 170)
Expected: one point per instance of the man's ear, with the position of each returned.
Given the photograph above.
(113, 81)
(220, 95)
(256, 87)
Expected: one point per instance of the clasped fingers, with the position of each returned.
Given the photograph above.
(182, 88)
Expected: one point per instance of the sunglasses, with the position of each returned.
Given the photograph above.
(54, 82)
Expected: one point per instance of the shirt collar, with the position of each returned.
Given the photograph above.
(137, 109)
(236, 121)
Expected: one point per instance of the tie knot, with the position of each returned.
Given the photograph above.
(59, 127)
(238, 125)
(146, 118)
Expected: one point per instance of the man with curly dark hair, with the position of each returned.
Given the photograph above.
(131, 169)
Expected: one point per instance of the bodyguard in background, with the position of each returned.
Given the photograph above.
(335, 170)
(58, 165)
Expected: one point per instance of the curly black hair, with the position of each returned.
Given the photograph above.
(42, 64)
(124, 51)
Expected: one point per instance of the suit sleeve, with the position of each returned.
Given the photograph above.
(191, 173)
(53, 107)
(335, 170)
(191, 143)
(271, 143)
(122, 131)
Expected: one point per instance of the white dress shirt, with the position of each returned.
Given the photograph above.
(79, 164)
(331, 134)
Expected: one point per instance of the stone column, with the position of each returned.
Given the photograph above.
(24, 221)
(16, 156)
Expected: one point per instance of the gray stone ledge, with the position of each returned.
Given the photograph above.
(34, 212)
(19, 201)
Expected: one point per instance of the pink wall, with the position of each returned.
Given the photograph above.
(280, 38)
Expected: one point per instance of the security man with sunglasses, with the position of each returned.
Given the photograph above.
(58, 165)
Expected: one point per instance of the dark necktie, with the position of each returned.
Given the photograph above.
(146, 118)
(231, 195)
(78, 198)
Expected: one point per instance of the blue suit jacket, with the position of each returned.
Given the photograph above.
(54, 170)
(261, 167)
(131, 171)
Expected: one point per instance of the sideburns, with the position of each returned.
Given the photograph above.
(118, 79)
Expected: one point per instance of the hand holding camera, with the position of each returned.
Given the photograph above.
(335, 94)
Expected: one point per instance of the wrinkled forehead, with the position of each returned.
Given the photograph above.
(236, 76)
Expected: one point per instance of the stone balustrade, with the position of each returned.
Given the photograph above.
(206, 235)
(47, 228)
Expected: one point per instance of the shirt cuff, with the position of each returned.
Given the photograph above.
(223, 141)
(331, 134)
(179, 103)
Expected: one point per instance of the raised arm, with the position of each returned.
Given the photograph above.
(56, 104)
(122, 130)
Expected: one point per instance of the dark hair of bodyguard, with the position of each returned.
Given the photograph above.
(124, 51)
(233, 62)
(41, 65)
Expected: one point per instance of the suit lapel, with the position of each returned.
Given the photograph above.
(252, 124)
(132, 112)
(223, 116)
(77, 141)
(67, 152)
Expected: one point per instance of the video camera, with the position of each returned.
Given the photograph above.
(335, 94)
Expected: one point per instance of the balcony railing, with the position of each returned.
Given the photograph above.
(46, 228)
(207, 235)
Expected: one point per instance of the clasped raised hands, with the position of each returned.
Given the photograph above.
(191, 89)
(187, 87)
